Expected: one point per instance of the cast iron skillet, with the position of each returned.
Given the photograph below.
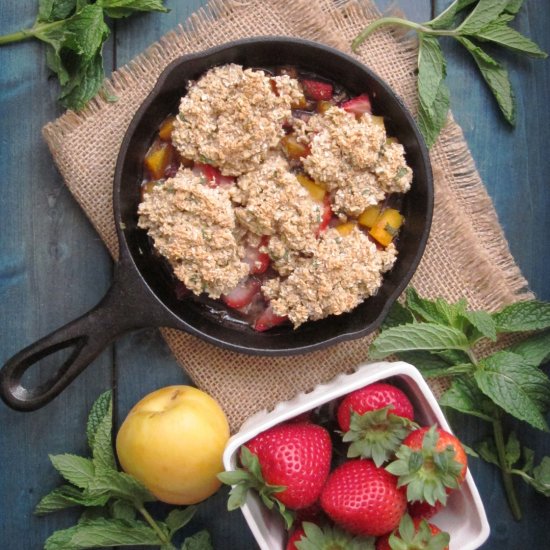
(142, 294)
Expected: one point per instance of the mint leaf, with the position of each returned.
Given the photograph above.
(487, 451)
(523, 316)
(432, 120)
(86, 32)
(398, 315)
(122, 509)
(513, 6)
(519, 388)
(535, 350)
(124, 8)
(76, 469)
(484, 12)
(63, 497)
(102, 443)
(453, 356)
(94, 513)
(179, 517)
(431, 70)
(436, 311)
(103, 532)
(198, 541)
(483, 324)
(500, 33)
(464, 396)
(429, 364)
(446, 18)
(102, 407)
(417, 336)
(496, 77)
(541, 475)
(84, 83)
(119, 485)
(54, 10)
(512, 450)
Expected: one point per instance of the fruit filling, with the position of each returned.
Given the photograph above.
(275, 193)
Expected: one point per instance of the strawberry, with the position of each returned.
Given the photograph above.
(414, 534)
(311, 513)
(363, 498)
(212, 175)
(316, 90)
(430, 463)
(423, 510)
(258, 261)
(295, 536)
(313, 537)
(243, 293)
(287, 464)
(358, 105)
(326, 215)
(268, 319)
(375, 420)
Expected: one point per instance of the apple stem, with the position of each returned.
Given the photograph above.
(149, 519)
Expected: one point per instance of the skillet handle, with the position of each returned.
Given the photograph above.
(124, 308)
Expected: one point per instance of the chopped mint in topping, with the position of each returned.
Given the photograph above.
(402, 172)
(205, 160)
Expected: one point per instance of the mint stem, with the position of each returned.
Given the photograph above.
(383, 21)
(25, 34)
(16, 36)
(149, 519)
(506, 475)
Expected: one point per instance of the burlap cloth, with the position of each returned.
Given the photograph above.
(467, 254)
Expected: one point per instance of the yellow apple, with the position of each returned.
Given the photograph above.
(172, 441)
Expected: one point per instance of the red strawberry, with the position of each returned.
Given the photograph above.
(423, 510)
(358, 105)
(294, 537)
(257, 261)
(326, 215)
(311, 513)
(316, 90)
(375, 420)
(363, 498)
(371, 398)
(213, 176)
(415, 534)
(268, 319)
(243, 293)
(296, 456)
(430, 462)
(287, 464)
(310, 536)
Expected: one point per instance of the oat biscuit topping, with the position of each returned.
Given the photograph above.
(270, 201)
(289, 235)
(342, 272)
(232, 117)
(348, 156)
(193, 227)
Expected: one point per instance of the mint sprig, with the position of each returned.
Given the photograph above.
(75, 32)
(488, 22)
(441, 339)
(112, 499)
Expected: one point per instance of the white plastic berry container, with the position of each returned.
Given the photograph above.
(463, 518)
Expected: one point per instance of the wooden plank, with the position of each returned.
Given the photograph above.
(53, 267)
(512, 162)
(514, 167)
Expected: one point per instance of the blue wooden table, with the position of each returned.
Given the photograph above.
(53, 267)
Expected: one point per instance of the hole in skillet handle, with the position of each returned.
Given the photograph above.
(208, 323)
